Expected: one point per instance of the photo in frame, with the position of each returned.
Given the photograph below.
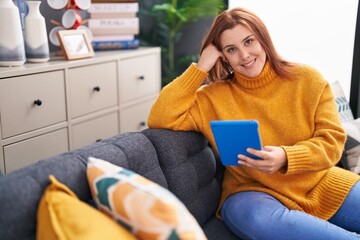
(75, 44)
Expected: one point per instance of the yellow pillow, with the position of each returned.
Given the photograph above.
(62, 216)
(152, 211)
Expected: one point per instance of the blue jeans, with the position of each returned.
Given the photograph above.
(257, 215)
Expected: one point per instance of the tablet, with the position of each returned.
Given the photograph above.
(233, 137)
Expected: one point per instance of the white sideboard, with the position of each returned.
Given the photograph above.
(54, 107)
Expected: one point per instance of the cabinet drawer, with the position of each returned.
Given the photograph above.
(96, 129)
(92, 88)
(29, 151)
(18, 111)
(134, 118)
(139, 76)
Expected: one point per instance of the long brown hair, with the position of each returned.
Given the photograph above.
(228, 19)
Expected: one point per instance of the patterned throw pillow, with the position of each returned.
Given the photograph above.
(149, 210)
(342, 104)
(351, 157)
(62, 216)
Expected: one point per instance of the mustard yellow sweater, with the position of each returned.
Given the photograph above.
(299, 115)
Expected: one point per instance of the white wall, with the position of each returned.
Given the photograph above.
(319, 33)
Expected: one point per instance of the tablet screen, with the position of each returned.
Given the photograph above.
(233, 137)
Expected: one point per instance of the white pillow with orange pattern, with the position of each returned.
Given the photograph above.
(149, 210)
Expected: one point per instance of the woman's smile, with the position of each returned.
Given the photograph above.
(250, 64)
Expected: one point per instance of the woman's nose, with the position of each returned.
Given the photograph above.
(244, 54)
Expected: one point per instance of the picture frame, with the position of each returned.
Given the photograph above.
(75, 44)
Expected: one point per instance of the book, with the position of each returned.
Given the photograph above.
(119, 37)
(114, 26)
(113, 1)
(115, 45)
(114, 31)
(113, 7)
(112, 15)
(113, 23)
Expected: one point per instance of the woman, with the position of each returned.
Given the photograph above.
(295, 192)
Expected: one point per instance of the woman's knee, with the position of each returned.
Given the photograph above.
(246, 210)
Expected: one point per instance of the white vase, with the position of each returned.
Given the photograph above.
(12, 51)
(36, 40)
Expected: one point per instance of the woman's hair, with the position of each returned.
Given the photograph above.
(228, 19)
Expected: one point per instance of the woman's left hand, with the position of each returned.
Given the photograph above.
(272, 159)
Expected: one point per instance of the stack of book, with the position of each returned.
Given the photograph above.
(114, 24)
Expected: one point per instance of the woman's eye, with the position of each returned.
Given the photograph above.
(248, 42)
(230, 50)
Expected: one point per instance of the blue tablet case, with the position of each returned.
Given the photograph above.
(233, 137)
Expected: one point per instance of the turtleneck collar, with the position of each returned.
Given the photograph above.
(265, 77)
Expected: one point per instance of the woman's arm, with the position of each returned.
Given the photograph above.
(176, 107)
(324, 149)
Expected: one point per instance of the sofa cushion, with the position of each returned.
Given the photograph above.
(351, 156)
(62, 216)
(151, 211)
(192, 171)
(342, 103)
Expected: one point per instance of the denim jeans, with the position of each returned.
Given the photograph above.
(257, 215)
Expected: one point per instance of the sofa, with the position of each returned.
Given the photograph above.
(182, 162)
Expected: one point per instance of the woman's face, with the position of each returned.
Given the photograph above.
(243, 51)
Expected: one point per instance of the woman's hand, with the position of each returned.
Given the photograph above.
(273, 159)
(208, 57)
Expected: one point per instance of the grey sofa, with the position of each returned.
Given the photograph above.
(183, 162)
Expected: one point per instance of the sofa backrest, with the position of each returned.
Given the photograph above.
(180, 161)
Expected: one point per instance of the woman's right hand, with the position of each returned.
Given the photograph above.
(208, 57)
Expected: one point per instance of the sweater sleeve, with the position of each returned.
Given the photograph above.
(176, 106)
(323, 150)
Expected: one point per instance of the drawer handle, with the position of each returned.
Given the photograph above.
(37, 102)
(142, 126)
(141, 77)
(96, 89)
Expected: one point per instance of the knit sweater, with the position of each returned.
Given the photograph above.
(298, 114)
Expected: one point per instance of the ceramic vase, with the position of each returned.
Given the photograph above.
(12, 51)
(36, 40)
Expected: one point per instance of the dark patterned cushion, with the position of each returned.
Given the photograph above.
(342, 103)
(351, 156)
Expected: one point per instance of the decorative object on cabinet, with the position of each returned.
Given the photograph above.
(12, 50)
(75, 44)
(71, 18)
(57, 4)
(66, 105)
(36, 40)
(23, 10)
(80, 4)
